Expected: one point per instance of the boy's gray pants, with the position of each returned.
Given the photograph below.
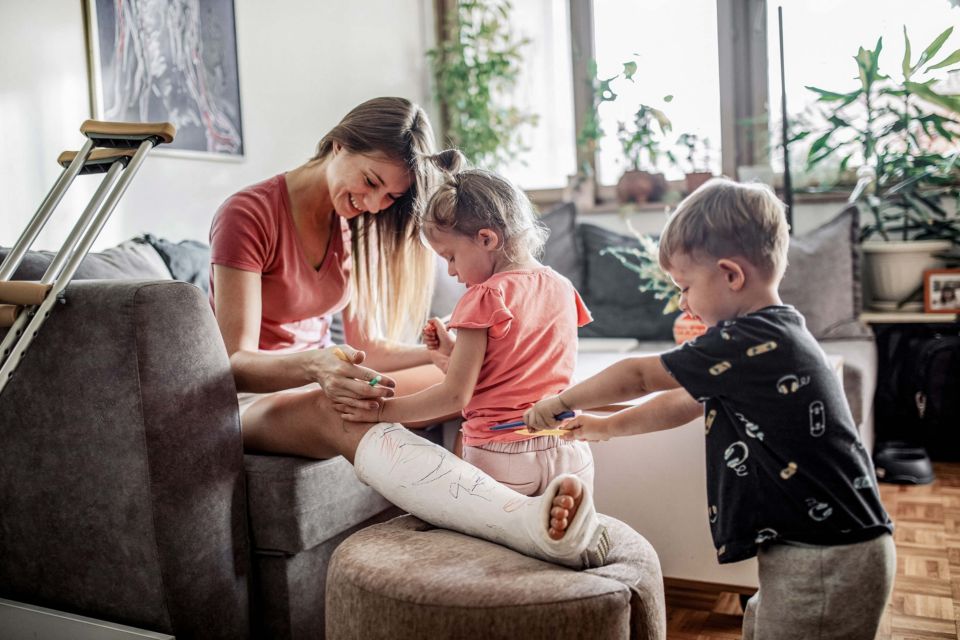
(818, 593)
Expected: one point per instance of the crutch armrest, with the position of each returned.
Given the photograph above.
(99, 160)
(22, 292)
(127, 134)
(8, 313)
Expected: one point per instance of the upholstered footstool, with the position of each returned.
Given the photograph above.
(406, 579)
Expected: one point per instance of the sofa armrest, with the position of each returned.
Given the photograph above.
(121, 472)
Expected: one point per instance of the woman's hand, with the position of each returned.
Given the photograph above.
(590, 428)
(439, 343)
(347, 384)
(543, 414)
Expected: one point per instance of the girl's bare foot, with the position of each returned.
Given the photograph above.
(565, 505)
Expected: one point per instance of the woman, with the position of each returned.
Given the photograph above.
(339, 232)
(342, 232)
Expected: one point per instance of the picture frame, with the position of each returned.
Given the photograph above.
(161, 61)
(941, 291)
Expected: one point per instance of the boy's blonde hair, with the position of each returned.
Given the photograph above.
(723, 219)
(474, 199)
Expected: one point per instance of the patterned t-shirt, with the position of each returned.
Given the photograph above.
(784, 459)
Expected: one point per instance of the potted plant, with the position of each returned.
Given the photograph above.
(698, 160)
(899, 134)
(475, 66)
(581, 186)
(642, 141)
(643, 261)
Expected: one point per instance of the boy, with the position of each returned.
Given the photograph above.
(788, 479)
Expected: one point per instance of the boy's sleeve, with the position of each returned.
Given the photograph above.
(706, 366)
(482, 307)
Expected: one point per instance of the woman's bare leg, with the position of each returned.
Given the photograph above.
(430, 482)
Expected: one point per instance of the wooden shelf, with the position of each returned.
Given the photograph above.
(907, 317)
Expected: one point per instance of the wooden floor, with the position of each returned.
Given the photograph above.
(926, 593)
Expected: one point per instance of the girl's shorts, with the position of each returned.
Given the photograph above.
(528, 466)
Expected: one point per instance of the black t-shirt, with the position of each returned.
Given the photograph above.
(784, 459)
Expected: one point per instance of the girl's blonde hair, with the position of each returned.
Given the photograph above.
(722, 219)
(475, 199)
(393, 272)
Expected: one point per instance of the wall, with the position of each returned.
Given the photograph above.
(302, 63)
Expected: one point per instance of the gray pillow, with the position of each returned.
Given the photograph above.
(130, 260)
(562, 251)
(823, 277)
(611, 291)
(187, 260)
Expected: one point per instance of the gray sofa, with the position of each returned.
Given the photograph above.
(125, 494)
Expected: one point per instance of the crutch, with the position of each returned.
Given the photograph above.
(114, 148)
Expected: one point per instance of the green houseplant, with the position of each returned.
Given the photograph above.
(643, 261)
(697, 160)
(476, 65)
(900, 134)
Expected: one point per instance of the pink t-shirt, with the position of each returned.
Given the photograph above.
(254, 231)
(531, 317)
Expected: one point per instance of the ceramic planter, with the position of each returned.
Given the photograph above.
(640, 187)
(894, 269)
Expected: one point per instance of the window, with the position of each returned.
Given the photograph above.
(821, 38)
(545, 87)
(675, 47)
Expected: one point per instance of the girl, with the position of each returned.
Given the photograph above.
(516, 334)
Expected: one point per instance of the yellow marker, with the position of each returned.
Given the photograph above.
(337, 351)
(543, 432)
(757, 349)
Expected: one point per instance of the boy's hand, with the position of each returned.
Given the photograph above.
(590, 428)
(541, 415)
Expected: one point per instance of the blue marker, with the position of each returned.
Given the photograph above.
(517, 424)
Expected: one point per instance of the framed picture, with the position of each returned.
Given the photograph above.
(168, 60)
(941, 290)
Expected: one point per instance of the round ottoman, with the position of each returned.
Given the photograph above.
(407, 579)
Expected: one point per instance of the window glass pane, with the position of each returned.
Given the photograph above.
(545, 87)
(821, 39)
(675, 47)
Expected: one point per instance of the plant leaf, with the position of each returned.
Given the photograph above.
(949, 102)
(629, 69)
(934, 47)
(946, 62)
(906, 54)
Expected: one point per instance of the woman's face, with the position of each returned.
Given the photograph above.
(364, 183)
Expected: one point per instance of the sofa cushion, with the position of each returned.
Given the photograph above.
(563, 252)
(187, 260)
(130, 260)
(823, 278)
(296, 503)
(619, 308)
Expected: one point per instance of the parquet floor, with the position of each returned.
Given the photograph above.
(926, 594)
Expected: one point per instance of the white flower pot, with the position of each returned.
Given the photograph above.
(894, 269)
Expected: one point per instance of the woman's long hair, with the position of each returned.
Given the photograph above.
(393, 271)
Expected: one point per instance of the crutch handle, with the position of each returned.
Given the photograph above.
(23, 292)
(8, 313)
(99, 160)
(127, 135)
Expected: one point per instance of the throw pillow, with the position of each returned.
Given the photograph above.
(611, 291)
(128, 260)
(562, 251)
(187, 260)
(823, 277)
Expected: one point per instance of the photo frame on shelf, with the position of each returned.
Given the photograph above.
(941, 291)
(160, 61)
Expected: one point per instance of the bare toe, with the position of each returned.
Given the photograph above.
(565, 505)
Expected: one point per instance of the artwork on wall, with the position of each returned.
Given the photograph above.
(168, 60)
